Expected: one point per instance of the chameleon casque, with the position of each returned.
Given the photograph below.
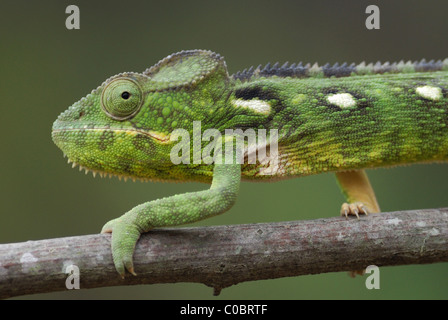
(339, 118)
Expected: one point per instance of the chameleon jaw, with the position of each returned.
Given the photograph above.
(104, 174)
(157, 137)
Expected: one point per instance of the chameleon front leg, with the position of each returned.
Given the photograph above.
(359, 193)
(172, 211)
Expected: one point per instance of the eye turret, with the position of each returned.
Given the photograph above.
(122, 98)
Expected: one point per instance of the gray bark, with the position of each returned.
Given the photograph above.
(222, 256)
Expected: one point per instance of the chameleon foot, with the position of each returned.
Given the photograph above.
(124, 238)
(354, 209)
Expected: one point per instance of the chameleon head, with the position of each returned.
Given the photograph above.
(123, 127)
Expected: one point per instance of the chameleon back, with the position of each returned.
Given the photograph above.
(351, 119)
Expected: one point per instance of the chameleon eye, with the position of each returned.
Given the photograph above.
(122, 98)
(125, 95)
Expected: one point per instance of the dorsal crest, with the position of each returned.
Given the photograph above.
(338, 70)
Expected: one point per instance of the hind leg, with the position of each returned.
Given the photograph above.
(360, 197)
(359, 193)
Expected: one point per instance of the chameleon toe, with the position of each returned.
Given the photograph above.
(354, 209)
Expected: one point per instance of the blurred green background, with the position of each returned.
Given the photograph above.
(45, 68)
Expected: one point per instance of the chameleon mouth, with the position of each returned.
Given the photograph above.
(161, 137)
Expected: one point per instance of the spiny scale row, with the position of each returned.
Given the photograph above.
(344, 70)
(104, 174)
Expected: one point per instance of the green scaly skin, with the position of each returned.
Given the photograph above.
(329, 119)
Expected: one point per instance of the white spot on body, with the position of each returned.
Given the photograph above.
(256, 105)
(342, 100)
(428, 92)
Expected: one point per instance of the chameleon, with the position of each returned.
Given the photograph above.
(340, 119)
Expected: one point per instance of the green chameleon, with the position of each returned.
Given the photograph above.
(331, 118)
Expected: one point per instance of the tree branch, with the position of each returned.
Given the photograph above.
(222, 256)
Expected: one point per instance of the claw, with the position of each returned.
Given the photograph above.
(131, 271)
(364, 209)
(354, 209)
(345, 209)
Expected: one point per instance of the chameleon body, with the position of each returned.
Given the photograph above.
(340, 118)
